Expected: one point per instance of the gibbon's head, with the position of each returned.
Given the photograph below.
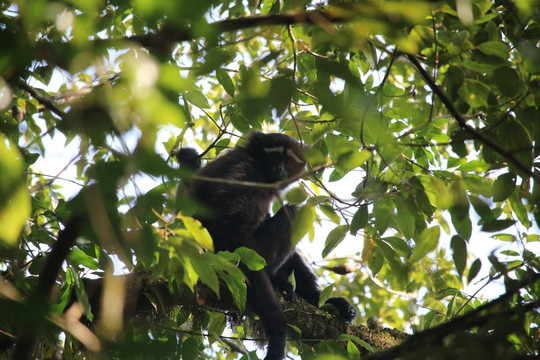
(278, 155)
(188, 157)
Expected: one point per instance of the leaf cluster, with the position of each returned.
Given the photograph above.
(422, 121)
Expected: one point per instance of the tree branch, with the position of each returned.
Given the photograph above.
(474, 318)
(39, 300)
(45, 100)
(507, 154)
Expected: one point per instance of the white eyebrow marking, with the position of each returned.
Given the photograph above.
(293, 156)
(278, 149)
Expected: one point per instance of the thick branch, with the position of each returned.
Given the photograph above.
(168, 35)
(39, 300)
(150, 300)
(477, 317)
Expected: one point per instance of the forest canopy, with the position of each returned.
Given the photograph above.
(422, 187)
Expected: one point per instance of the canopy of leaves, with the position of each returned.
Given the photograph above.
(424, 113)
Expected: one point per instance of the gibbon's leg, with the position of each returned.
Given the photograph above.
(263, 300)
(307, 287)
(273, 239)
(280, 280)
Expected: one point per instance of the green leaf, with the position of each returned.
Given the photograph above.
(504, 237)
(481, 208)
(503, 187)
(206, 272)
(250, 258)
(436, 191)
(237, 287)
(460, 204)
(474, 93)
(190, 349)
(199, 232)
(358, 341)
(330, 212)
(352, 160)
(325, 294)
(496, 48)
(515, 138)
(497, 225)
(474, 270)
(459, 253)
(197, 98)
(296, 195)
(217, 326)
(303, 223)
(532, 237)
(78, 257)
(383, 212)
(360, 219)
(15, 204)
(507, 80)
(334, 238)
(225, 80)
(404, 219)
(375, 261)
(352, 351)
(463, 225)
(267, 6)
(427, 242)
(519, 209)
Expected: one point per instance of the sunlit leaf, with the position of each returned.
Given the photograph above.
(437, 192)
(200, 234)
(14, 198)
(325, 294)
(250, 258)
(296, 195)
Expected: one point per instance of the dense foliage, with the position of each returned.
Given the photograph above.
(422, 116)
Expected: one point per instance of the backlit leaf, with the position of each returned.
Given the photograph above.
(335, 237)
(459, 253)
(303, 223)
(360, 219)
(225, 80)
(427, 242)
(503, 186)
(474, 270)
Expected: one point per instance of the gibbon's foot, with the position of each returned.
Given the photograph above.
(346, 311)
(290, 295)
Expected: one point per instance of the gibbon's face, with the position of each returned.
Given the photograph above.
(281, 155)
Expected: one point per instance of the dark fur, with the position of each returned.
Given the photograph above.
(240, 217)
